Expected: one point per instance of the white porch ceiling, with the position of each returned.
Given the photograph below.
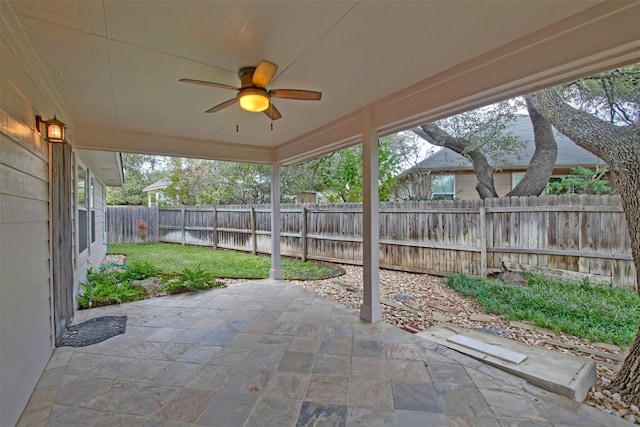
(114, 65)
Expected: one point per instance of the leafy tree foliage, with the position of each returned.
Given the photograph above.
(581, 181)
(341, 176)
(613, 96)
(208, 182)
(486, 130)
(139, 170)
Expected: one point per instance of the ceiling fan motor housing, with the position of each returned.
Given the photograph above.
(246, 76)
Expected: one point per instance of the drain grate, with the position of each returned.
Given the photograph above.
(93, 331)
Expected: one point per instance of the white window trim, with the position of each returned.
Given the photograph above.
(453, 194)
(85, 252)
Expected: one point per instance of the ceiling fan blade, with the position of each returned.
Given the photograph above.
(273, 112)
(225, 104)
(264, 73)
(205, 83)
(308, 95)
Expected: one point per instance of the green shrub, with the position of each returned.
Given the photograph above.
(192, 280)
(140, 270)
(113, 286)
(105, 288)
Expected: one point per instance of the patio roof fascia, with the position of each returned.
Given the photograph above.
(126, 141)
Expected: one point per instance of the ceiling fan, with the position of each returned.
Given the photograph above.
(253, 94)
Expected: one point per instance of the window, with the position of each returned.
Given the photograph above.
(92, 205)
(516, 177)
(443, 187)
(81, 199)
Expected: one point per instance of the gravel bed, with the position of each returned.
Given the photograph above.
(420, 301)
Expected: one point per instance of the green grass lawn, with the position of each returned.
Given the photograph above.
(593, 312)
(173, 258)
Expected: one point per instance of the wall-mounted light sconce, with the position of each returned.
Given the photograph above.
(54, 129)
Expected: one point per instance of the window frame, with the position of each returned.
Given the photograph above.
(82, 208)
(443, 195)
(521, 174)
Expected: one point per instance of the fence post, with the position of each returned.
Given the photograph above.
(215, 228)
(183, 214)
(482, 229)
(254, 241)
(304, 234)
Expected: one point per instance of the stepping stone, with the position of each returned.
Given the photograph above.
(481, 318)
(490, 349)
(564, 374)
(494, 331)
(437, 317)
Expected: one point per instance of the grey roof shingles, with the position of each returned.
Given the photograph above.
(569, 154)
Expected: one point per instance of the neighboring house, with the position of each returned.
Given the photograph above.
(448, 175)
(155, 192)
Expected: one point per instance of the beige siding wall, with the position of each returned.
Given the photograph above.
(466, 186)
(502, 182)
(466, 182)
(25, 307)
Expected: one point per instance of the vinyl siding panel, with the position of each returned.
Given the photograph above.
(466, 186)
(25, 307)
(23, 235)
(19, 293)
(22, 184)
(502, 182)
(25, 318)
(16, 210)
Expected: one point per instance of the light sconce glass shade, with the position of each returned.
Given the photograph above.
(54, 129)
(253, 99)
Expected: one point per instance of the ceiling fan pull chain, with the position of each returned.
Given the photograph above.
(237, 127)
(271, 115)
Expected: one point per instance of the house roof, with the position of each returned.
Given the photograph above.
(105, 165)
(569, 154)
(110, 70)
(158, 185)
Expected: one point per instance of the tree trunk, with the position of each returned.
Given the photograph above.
(481, 167)
(543, 160)
(627, 382)
(619, 146)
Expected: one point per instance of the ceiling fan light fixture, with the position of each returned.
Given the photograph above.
(253, 99)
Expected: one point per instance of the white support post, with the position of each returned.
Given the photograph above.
(276, 270)
(371, 310)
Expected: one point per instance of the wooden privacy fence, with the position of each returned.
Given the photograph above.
(122, 224)
(574, 237)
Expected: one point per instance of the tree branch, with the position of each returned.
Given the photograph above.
(484, 172)
(543, 160)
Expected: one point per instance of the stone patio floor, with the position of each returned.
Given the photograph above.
(273, 354)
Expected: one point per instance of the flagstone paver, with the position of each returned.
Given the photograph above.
(274, 354)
